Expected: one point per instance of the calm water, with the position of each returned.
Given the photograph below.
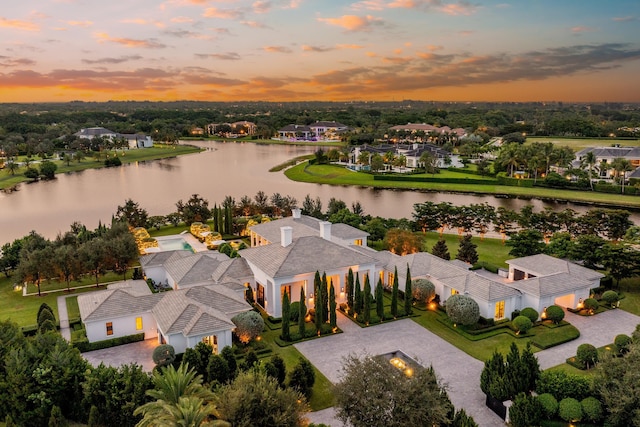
(234, 169)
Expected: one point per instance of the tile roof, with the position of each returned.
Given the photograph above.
(545, 265)
(304, 255)
(557, 284)
(113, 303)
(194, 269)
(232, 269)
(159, 258)
(305, 226)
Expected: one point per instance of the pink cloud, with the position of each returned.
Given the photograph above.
(353, 22)
(80, 23)
(581, 29)
(181, 20)
(276, 49)
(214, 12)
(145, 43)
(261, 6)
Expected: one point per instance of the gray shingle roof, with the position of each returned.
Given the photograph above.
(303, 255)
(232, 269)
(555, 284)
(545, 265)
(305, 226)
(159, 258)
(194, 269)
(113, 303)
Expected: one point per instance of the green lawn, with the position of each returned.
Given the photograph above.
(491, 251)
(322, 396)
(159, 151)
(73, 310)
(338, 175)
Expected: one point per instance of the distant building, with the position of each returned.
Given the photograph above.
(430, 131)
(318, 131)
(136, 140)
(606, 155)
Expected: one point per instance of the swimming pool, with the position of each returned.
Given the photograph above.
(176, 244)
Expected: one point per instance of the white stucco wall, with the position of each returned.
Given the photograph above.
(122, 326)
(157, 273)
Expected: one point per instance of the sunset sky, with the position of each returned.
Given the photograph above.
(333, 50)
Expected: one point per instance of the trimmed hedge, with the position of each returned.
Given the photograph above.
(84, 345)
(503, 179)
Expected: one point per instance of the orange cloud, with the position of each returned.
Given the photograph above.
(349, 46)
(461, 8)
(80, 23)
(276, 49)
(261, 6)
(254, 24)
(214, 12)
(181, 20)
(353, 22)
(148, 43)
(581, 29)
(18, 24)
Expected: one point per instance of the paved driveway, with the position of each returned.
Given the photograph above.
(138, 352)
(459, 371)
(597, 330)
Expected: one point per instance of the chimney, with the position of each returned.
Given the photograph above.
(286, 236)
(325, 230)
(296, 213)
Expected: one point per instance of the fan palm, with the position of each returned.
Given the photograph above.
(589, 162)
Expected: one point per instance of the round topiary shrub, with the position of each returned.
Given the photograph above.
(522, 324)
(549, 405)
(555, 314)
(591, 305)
(610, 297)
(570, 410)
(423, 290)
(463, 309)
(248, 325)
(587, 355)
(163, 355)
(531, 313)
(622, 343)
(591, 410)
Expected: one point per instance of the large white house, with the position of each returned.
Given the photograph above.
(135, 140)
(286, 253)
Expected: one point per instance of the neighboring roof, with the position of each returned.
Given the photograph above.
(555, 284)
(325, 124)
(198, 310)
(194, 269)
(114, 303)
(159, 258)
(234, 269)
(304, 226)
(544, 265)
(95, 131)
(295, 128)
(304, 255)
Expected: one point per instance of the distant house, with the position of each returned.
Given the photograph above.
(430, 130)
(134, 140)
(240, 128)
(606, 155)
(196, 131)
(412, 153)
(318, 131)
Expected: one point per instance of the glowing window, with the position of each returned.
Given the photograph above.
(499, 314)
(138, 323)
(109, 328)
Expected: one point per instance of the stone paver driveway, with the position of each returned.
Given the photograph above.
(137, 352)
(459, 371)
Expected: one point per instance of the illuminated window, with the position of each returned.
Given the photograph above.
(454, 292)
(109, 328)
(138, 323)
(499, 314)
(357, 242)
(390, 283)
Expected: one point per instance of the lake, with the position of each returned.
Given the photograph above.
(234, 169)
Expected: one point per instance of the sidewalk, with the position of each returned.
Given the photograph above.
(63, 316)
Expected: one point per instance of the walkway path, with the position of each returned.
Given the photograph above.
(459, 371)
(63, 316)
(597, 330)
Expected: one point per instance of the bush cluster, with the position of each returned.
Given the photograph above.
(463, 309)
(555, 314)
(522, 324)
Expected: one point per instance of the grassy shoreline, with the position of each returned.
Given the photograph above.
(157, 152)
(338, 175)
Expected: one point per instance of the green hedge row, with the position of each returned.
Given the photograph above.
(434, 179)
(615, 189)
(546, 341)
(84, 345)
(513, 182)
(470, 171)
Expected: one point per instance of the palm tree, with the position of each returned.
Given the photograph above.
(12, 167)
(589, 162)
(181, 400)
(621, 166)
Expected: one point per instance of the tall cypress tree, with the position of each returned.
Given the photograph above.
(286, 317)
(302, 313)
(325, 298)
(357, 303)
(380, 300)
(333, 321)
(408, 294)
(317, 285)
(394, 294)
(441, 250)
(349, 289)
(366, 297)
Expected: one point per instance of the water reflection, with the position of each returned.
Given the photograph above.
(234, 169)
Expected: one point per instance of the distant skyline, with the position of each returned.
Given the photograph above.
(325, 50)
